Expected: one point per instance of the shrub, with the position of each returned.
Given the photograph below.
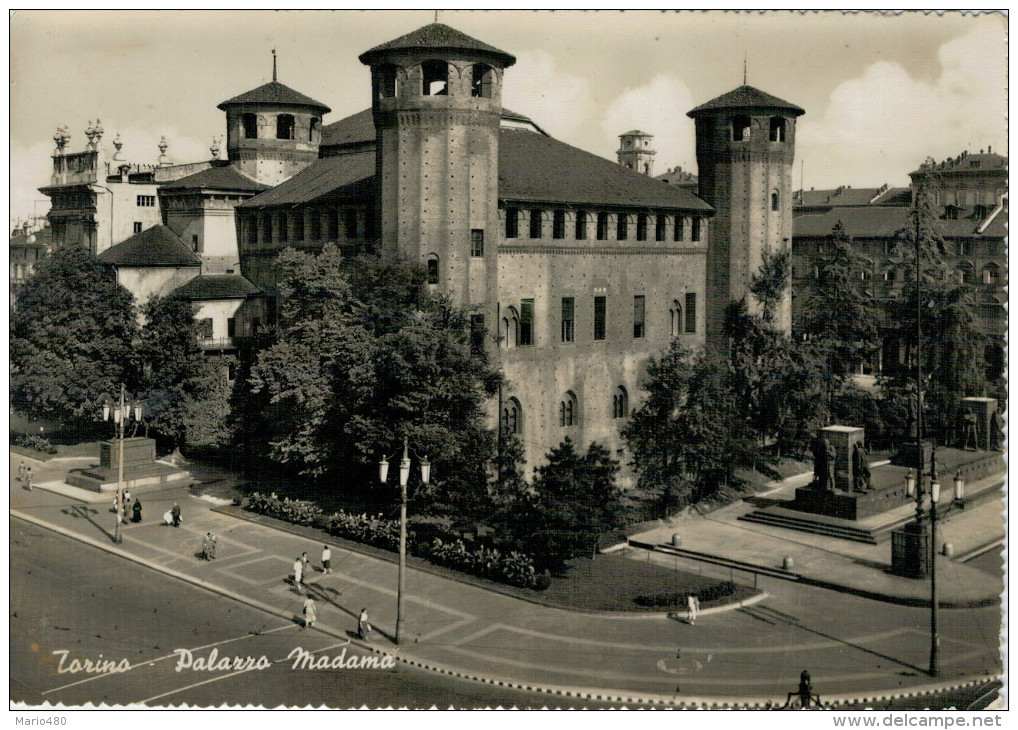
(515, 568)
(678, 600)
(31, 441)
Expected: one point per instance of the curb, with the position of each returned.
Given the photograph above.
(605, 695)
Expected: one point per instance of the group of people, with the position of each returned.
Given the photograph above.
(25, 475)
(301, 568)
(208, 546)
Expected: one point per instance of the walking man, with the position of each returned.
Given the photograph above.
(691, 607)
(326, 559)
(21, 473)
(298, 575)
(28, 478)
(310, 613)
(307, 566)
(175, 512)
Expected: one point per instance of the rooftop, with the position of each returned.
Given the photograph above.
(225, 286)
(965, 162)
(221, 177)
(745, 98)
(347, 176)
(155, 246)
(436, 36)
(277, 94)
(875, 221)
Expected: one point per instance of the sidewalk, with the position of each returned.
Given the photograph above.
(748, 657)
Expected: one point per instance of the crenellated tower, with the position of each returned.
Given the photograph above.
(437, 103)
(745, 149)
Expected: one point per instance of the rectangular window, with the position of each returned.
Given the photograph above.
(581, 225)
(512, 223)
(284, 228)
(695, 235)
(370, 226)
(252, 230)
(622, 227)
(316, 226)
(146, 201)
(602, 226)
(298, 226)
(600, 305)
(205, 328)
(535, 224)
(659, 229)
(267, 228)
(680, 228)
(231, 327)
(476, 243)
(639, 315)
(194, 242)
(476, 333)
(568, 318)
(558, 228)
(351, 224)
(691, 312)
(526, 322)
(641, 227)
(333, 225)
(137, 226)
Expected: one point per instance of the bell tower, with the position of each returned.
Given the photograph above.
(636, 151)
(436, 103)
(745, 149)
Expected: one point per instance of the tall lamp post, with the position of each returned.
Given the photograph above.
(119, 413)
(404, 477)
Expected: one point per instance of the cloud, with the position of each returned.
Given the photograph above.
(559, 102)
(658, 107)
(857, 142)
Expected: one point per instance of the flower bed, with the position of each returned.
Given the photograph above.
(32, 441)
(512, 568)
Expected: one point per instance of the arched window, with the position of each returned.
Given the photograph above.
(622, 227)
(620, 403)
(963, 271)
(991, 274)
(511, 327)
(641, 227)
(774, 200)
(512, 223)
(250, 122)
(432, 269)
(434, 78)
(740, 128)
(512, 417)
(568, 410)
(482, 80)
(313, 128)
(777, 129)
(890, 275)
(535, 223)
(581, 225)
(387, 81)
(676, 312)
(284, 126)
(602, 226)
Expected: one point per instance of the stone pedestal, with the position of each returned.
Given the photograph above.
(137, 451)
(983, 409)
(140, 468)
(909, 452)
(844, 439)
(910, 551)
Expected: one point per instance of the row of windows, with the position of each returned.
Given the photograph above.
(742, 129)
(964, 272)
(622, 225)
(518, 324)
(283, 227)
(886, 247)
(146, 201)
(568, 411)
(434, 80)
(286, 127)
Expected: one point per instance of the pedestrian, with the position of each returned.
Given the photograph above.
(21, 472)
(136, 509)
(691, 607)
(326, 559)
(310, 615)
(212, 545)
(28, 478)
(205, 546)
(298, 574)
(363, 627)
(307, 566)
(127, 498)
(175, 512)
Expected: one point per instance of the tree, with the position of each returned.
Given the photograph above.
(72, 335)
(576, 500)
(770, 282)
(186, 392)
(839, 315)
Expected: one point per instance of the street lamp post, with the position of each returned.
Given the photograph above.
(404, 477)
(120, 414)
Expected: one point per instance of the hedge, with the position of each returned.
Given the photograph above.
(31, 441)
(513, 568)
(678, 600)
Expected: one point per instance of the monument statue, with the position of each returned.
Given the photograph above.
(819, 462)
(996, 431)
(831, 460)
(969, 422)
(861, 469)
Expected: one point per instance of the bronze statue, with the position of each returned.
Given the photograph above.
(860, 469)
(831, 460)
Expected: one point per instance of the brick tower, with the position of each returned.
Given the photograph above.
(437, 102)
(745, 148)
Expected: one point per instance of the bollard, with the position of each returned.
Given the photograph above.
(676, 539)
(788, 563)
(948, 550)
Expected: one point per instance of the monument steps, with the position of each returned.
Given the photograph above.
(826, 526)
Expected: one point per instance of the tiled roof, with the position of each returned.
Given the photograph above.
(226, 286)
(360, 128)
(966, 162)
(895, 196)
(224, 177)
(874, 221)
(837, 196)
(155, 246)
(347, 176)
(275, 93)
(435, 36)
(536, 168)
(744, 97)
(677, 176)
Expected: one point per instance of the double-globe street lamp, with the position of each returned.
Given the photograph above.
(404, 478)
(119, 413)
(914, 488)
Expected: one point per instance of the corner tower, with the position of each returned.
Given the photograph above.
(745, 148)
(636, 151)
(273, 132)
(437, 103)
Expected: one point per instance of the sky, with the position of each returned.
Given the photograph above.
(881, 92)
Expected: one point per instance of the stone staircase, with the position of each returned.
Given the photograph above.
(826, 526)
